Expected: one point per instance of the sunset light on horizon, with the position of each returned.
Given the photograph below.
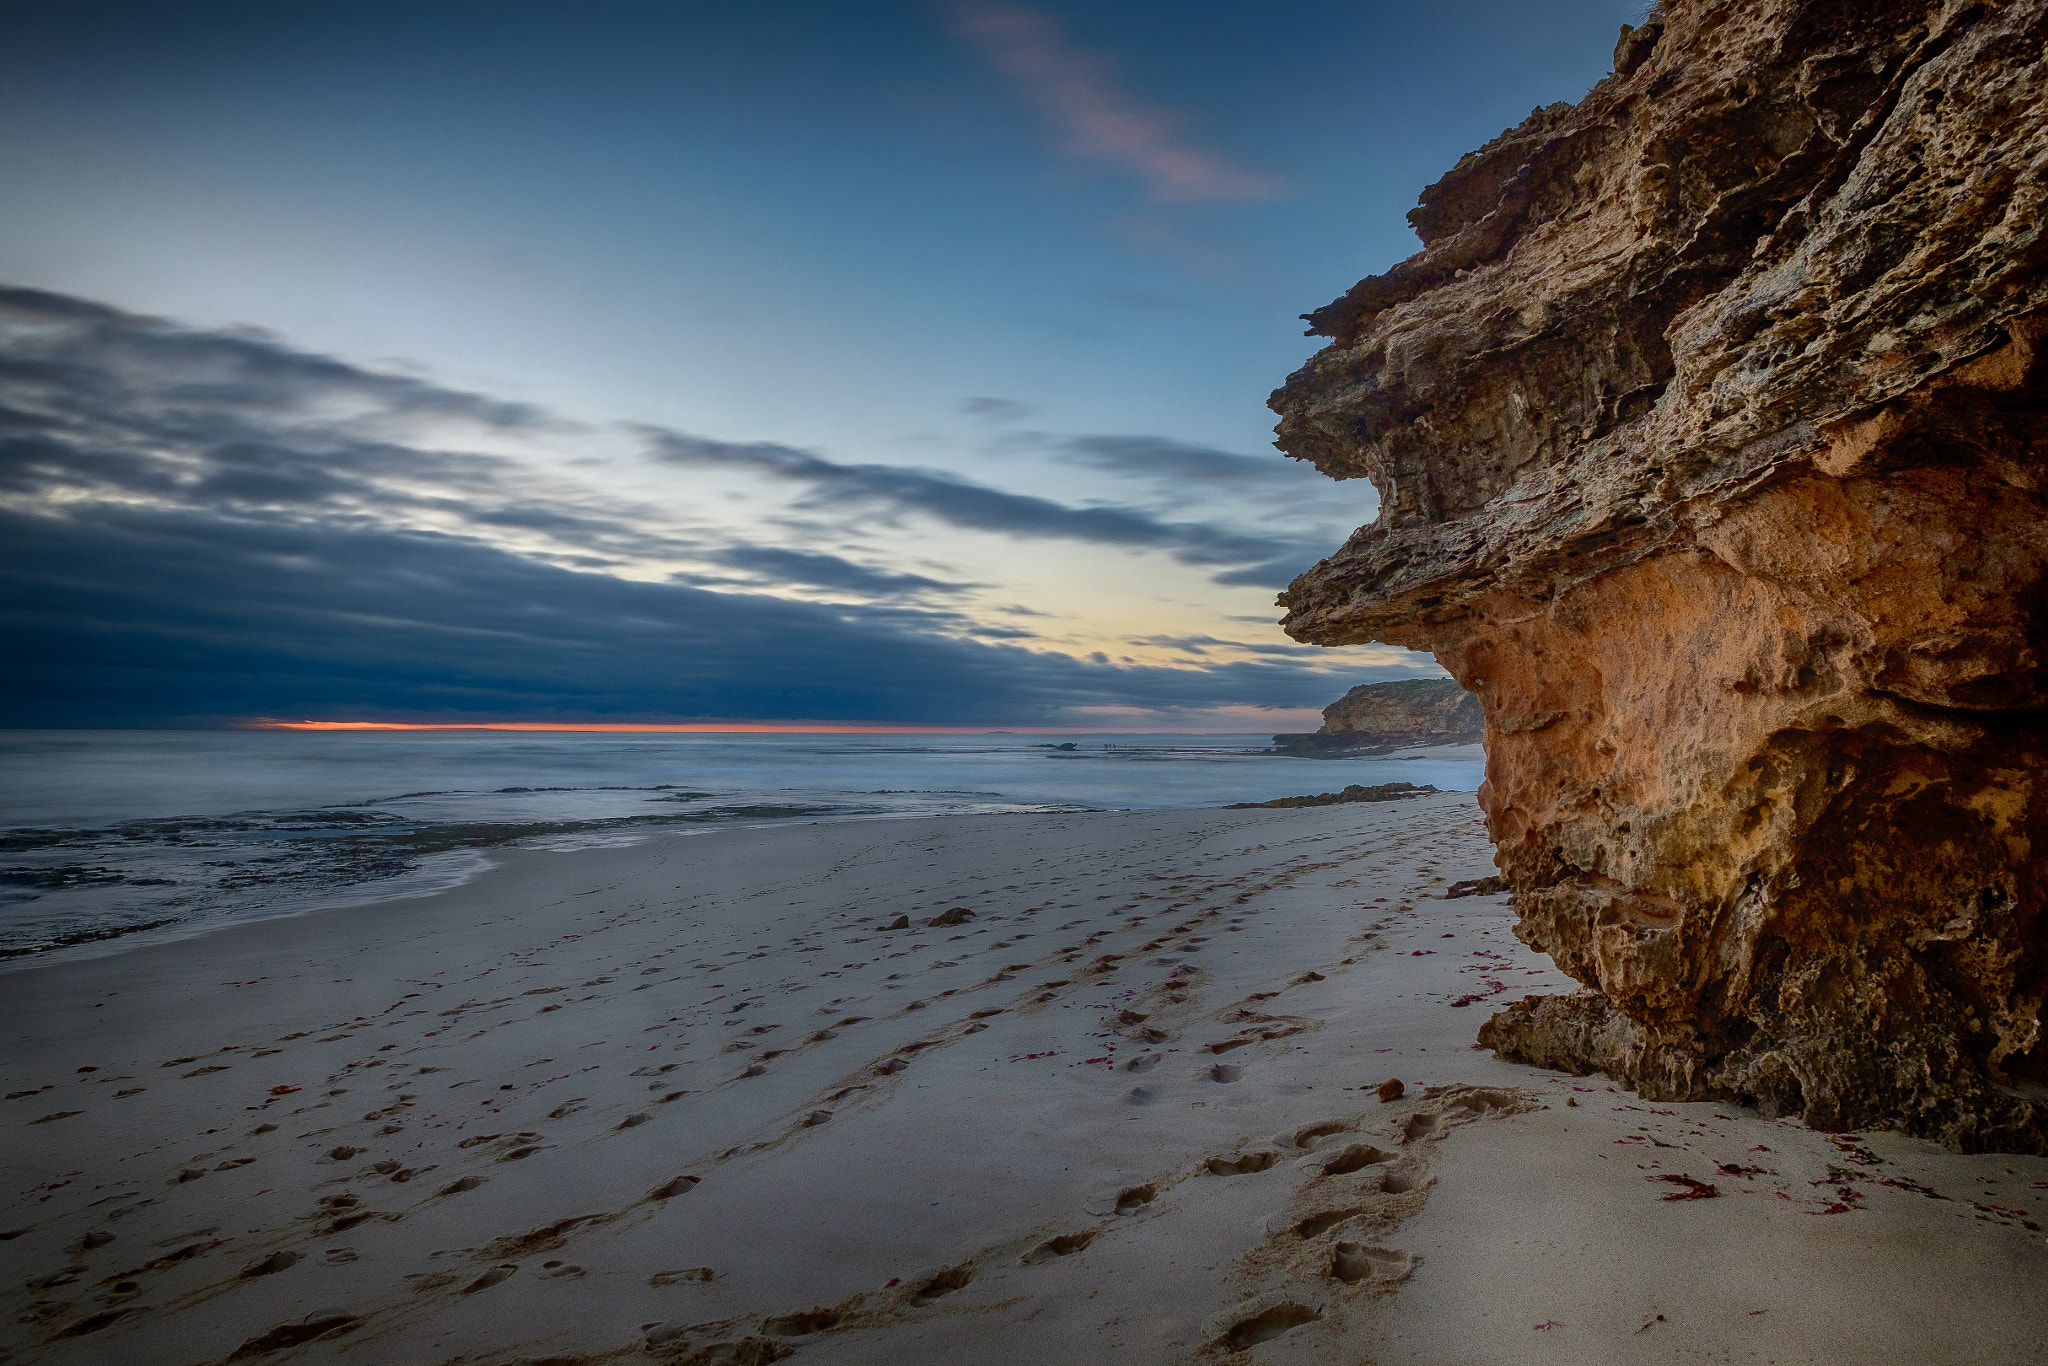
(697, 728)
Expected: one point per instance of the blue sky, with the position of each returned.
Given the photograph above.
(949, 325)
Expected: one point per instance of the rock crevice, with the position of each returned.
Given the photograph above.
(1710, 427)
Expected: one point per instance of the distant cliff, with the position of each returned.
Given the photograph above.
(1710, 428)
(1374, 718)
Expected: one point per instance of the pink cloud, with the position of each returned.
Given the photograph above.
(1079, 95)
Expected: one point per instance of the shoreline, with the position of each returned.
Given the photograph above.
(430, 876)
(437, 872)
(412, 885)
(1124, 1110)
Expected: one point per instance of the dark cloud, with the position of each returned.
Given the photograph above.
(125, 616)
(1275, 573)
(100, 403)
(830, 571)
(73, 351)
(960, 503)
(543, 519)
(1202, 645)
(203, 526)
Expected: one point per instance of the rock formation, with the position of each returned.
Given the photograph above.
(1357, 792)
(1709, 428)
(1374, 718)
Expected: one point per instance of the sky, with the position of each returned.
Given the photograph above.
(879, 363)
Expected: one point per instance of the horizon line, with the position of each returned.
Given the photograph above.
(717, 728)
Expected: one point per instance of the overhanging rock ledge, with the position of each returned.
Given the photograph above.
(1709, 433)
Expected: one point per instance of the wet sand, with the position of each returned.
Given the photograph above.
(694, 1100)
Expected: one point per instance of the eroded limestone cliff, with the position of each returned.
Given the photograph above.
(1709, 430)
(1374, 718)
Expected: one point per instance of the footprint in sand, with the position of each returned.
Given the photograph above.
(497, 1275)
(1267, 1324)
(660, 1335)
(1066, 1245)
(1355, 1157)
(275, 1262)
(1308, 1137)
(1318, 1224)
(1243, 1164)
(293, 1334)
(1135, 1199)
(562, 1271)
(803, 1323)
(63, 1275)
(686, 1276)
(1418, 1127)
(423, 1281)
(945, 1283)
(1353, 1263)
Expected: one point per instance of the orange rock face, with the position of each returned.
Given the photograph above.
(1710, 434)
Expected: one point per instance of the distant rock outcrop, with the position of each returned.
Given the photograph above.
(1374, 718)
(1710, 428)
(1382, 792)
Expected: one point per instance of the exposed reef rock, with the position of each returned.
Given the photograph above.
(1709, 432)
(1374, 718)
(1357, 792)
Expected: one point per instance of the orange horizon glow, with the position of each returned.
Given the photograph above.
(706, 728)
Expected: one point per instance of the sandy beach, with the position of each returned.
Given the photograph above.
(734, 1096)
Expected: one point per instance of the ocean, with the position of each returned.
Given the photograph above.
(114, 838)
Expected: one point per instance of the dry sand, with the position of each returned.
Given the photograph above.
(691, 1101)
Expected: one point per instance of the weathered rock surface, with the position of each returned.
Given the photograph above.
(1378, 717)
(1709, 432)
